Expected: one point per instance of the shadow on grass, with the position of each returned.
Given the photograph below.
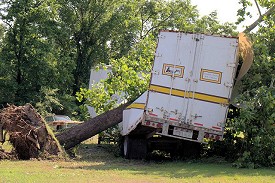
(165, 167)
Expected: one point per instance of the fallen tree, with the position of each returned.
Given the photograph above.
(28, 134)
(75, 135)
(31, 138)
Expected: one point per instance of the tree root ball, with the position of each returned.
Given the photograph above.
(28, 133)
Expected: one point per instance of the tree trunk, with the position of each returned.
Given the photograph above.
(75, 135)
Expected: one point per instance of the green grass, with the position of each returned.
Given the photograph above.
(98, 164)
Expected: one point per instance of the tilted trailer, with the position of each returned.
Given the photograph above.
(189, 94)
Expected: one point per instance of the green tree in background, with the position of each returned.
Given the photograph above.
(257, 118)
(33, 64)
(2, 31)
(131, 73)
(90, 25)
(28, 54)
(255, 123)
(51, 45)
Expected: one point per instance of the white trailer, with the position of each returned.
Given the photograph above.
(188, 97)
(96, 75)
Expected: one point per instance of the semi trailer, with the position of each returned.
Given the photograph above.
(188, 97)
(194, 79)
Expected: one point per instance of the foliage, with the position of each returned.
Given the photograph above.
(111, 135)
(28, 48)
(256, 122)
(52, 44)
(210, 24)
(48, 102)
(128, 79)
(249, 137)
(130, 73)
(243, 13)
(2, 31)
(94, 31)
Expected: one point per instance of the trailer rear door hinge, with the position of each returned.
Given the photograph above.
(155, 72)
(196, 116)
(234, 44)
(228, 84)
(158, 55)
(161, 36)
(231, 65)
(198, 37)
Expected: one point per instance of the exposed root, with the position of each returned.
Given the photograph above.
(27, 133)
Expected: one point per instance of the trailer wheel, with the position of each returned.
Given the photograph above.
(189, 150)
(134, 148)
(139, 148)
(127, 147)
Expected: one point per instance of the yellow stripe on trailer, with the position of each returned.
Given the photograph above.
(159, 89)
(182, 93)
(165, 90)
(136, 106)
(210, 98)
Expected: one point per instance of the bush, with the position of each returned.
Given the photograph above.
(256, 124)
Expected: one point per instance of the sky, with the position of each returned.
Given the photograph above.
(226, 9)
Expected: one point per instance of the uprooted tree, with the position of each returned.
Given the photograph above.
(28, 134)
(31, 138)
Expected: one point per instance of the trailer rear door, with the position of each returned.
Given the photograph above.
(169, 85)
(212, 81)
(192, 79)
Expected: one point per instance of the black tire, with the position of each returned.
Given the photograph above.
(134, 148)
(139, 148)
(190, 150)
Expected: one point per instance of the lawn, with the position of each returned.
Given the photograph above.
(99, 164)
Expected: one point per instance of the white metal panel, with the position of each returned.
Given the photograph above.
(132, 116)
(97, 75)
(213, 76)
(192, 78)
(172, 62)
(217, 57)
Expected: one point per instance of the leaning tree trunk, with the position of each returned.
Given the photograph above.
(75, 135)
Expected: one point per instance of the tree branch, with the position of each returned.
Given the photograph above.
(252, 26)
(258, 7)
(153, 27)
